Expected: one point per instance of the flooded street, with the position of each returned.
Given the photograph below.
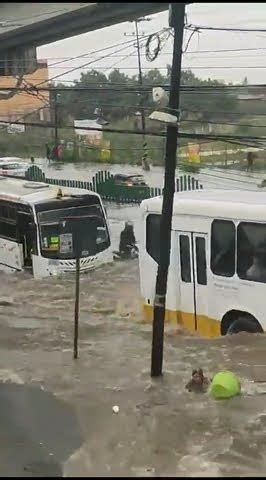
(160, 429)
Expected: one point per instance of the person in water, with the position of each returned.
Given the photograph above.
(198, 383)
(127, 240)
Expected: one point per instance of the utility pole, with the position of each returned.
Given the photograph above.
(176, 20)
(55, 119)
(54, 105)
(145, 164)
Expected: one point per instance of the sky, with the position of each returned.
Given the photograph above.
(228, 66)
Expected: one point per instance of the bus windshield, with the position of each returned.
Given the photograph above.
(94, 238)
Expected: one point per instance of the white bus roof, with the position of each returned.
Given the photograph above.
(24, 191)
(231, 204)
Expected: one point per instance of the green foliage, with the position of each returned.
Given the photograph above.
(118, 105)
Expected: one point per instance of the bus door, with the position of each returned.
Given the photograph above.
(27, 236)
(192, 278)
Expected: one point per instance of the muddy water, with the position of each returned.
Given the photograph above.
(160, 429)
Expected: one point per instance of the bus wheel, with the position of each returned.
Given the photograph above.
(243, 324)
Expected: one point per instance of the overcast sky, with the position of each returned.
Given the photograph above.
(235, 15)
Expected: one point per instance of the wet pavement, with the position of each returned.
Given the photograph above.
(160, 429)
(38, 432)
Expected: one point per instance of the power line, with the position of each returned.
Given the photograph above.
(92, 61)
(151, 133)
(88, 54)
(225, 29)
(224, 50)
(190, 52)
(78, 101)
(188, 67)
(250, 114)
(44, 82)
(135, 87)
(223, 123)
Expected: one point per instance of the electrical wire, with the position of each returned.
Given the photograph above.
(150, 133)
(190, 88)
(89, 63)
(36, 86)
(187, 120)
(190, 52)
(226, 29)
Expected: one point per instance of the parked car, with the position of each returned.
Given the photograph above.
(129, 180)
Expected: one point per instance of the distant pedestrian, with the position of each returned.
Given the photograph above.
(32, 160)
(48, 152)
(250, 159)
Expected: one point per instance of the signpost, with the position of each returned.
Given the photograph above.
(70, 244)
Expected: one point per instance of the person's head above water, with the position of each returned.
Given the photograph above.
(198, 382)
(128, 225)
(197, 375)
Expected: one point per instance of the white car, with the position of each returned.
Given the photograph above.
(13, 166)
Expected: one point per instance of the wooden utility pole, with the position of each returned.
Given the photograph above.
(176, 20)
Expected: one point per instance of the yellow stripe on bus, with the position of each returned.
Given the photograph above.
(207, 327)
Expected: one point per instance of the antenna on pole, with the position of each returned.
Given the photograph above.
(137, 34)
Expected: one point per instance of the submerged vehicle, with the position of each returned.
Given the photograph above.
(129, 180)
(36, 219)
(217, 272)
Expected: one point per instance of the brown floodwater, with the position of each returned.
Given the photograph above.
(161, 429)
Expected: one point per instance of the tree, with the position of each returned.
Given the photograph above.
(117, 104)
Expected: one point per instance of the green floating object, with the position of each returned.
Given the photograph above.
(225, 385)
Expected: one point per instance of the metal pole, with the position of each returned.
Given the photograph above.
(55, 122)
(145, 164)
(76, 321)
(177, 14)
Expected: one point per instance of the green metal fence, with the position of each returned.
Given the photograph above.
(104, 183)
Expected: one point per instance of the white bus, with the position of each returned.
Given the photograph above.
(31, 219)
(217, 273)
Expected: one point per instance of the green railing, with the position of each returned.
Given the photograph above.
(104, 183)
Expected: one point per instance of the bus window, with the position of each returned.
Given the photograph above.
(201, 261)
(8, 227)
(251, 252)
(8, 230)
(185, 258)
(153, 236)
(223, 248)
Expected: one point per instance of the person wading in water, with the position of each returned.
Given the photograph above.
(127, 241)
